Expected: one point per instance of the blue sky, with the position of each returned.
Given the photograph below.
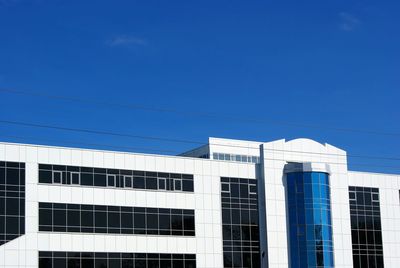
(330, 64)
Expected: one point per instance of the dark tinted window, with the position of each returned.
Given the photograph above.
(49, 259)
(101, 177)
(12, 201)
(114, 219)
(366, 230)
(239, 230)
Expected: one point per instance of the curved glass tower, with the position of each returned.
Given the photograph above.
(310, 223)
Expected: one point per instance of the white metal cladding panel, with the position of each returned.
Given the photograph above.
(389, 186)
(207, 245)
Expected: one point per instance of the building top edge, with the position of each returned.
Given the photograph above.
(374, 173)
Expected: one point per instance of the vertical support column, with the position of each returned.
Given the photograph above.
(262, 210)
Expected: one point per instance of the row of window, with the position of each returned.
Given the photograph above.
(55, 217)
(18, 165)
(365, 222)
(239, 190)
(12, 201)
(101, 177)
(240, 216)
(237, 158)
(115, 260)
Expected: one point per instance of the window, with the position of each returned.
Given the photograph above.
(366, 230)
(87, 179)
(178, 184)
(101, 177)
(225, 187)
(151, 183)
(12, 201)
(75, 178)
(252, 189)
(59, 217)
(128, 181)
(240, 233)
(56, 259)
(111, 180)
(162, 184)
(187, 185)
(45, 176)
(310, 224)
(57, 176)
(100, 180)
(138, 183)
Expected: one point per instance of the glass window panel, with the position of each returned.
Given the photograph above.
(151, 183)
(12, 225)
(152, 221)
(138, 183)
(165, 224)
(187, 185)
(128, 181)
(127, 220)
(111, 180)
(139, 221)
(45, 217)
(60, 217)
(45, 176)
(73, 218)
(178, 185)
(75, 178)
(100, 180)
(162, 184)
(87, 179)
(57, 175)
(87, 218)
(100, 219)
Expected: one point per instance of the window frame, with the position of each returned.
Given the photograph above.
(115, 180)
(229, 186)
(79, 177)
(130, 179)
(165, 183)
(180, 181)
(58, 172)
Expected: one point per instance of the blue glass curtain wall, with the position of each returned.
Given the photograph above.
(310, 223)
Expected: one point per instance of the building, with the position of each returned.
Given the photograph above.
(229, 203)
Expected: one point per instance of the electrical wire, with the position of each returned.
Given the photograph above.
(191, 113)
(100, 132)
(156, 150)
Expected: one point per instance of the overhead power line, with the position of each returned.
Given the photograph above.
(91, 145)
(129, 149)
(197, 114)
(126, 135)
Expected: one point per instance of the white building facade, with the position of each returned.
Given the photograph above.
(229, 203)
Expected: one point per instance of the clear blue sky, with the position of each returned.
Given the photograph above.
(335, 64)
